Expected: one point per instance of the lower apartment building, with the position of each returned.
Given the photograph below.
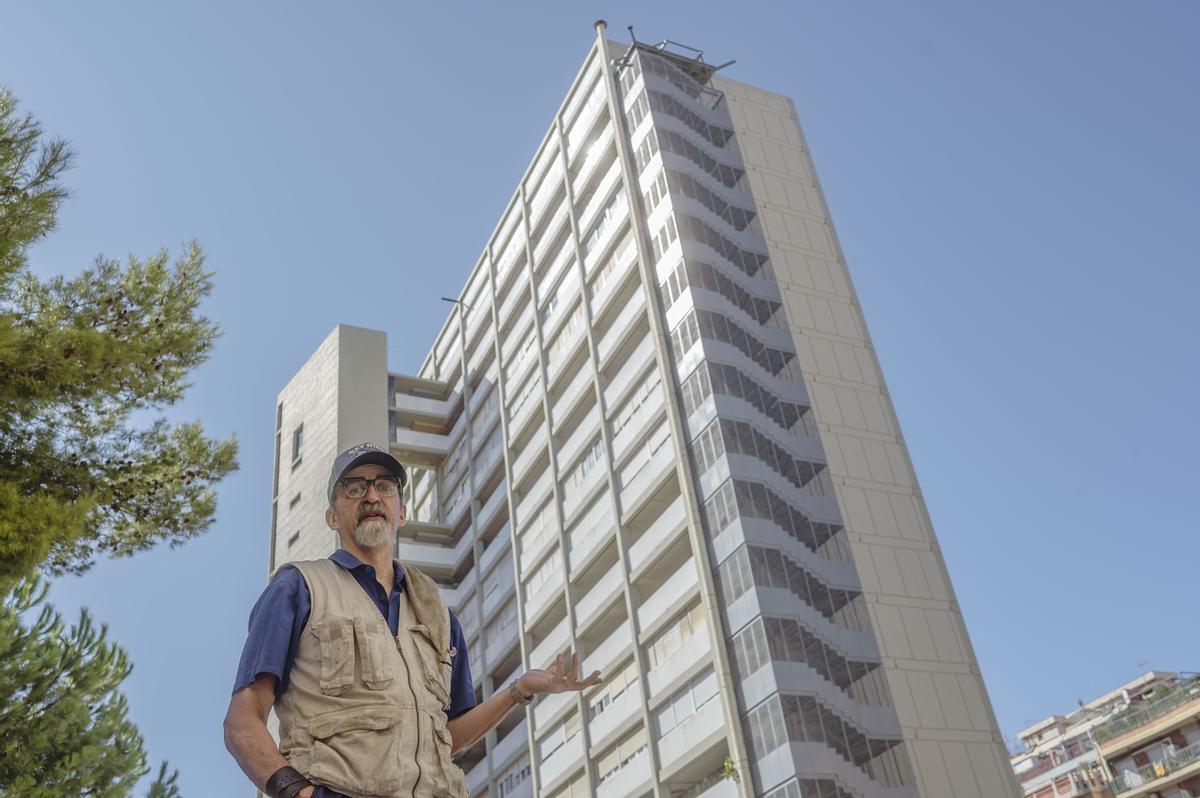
(653, 430)
(1152, 747)
(1061, 758)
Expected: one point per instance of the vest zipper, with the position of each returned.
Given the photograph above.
(417, 707)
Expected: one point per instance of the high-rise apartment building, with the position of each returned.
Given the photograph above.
(653, 430)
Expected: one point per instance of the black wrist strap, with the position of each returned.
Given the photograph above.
(286, 783)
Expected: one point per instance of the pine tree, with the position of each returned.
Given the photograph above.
(78, 359)
(63, 725)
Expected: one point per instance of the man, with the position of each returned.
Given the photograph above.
(364, 664)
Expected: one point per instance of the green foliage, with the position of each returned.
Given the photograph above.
(63, 725)
(79, 358)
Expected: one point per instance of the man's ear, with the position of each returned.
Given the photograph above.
(403, 513)
(331, 518)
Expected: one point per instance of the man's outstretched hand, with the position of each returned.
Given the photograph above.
(558, 678)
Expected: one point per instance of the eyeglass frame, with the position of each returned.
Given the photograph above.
(371, 483)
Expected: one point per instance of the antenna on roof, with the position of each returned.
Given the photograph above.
(623, 61)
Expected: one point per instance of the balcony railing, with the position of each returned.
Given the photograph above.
(1132, 718)
(1173, 762)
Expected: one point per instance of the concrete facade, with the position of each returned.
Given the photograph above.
(654, 431)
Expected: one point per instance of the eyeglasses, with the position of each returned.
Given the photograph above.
(356, 487)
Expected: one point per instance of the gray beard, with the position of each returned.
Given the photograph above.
(372, 532)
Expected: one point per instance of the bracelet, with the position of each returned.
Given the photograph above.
(286, 782)
(516, 694)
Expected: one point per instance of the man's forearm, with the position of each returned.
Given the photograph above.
(254, 749)
(474, 723)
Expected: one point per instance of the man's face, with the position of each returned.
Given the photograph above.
(370, 520)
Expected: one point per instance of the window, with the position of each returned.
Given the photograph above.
(686, 701)
(671, 639)
(614, 687)
(297, 445)
(558, 736)
(292, 540)
(295, 500)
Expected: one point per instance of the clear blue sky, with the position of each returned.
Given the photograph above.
(1015, 186)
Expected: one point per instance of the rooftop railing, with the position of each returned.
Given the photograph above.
(1141, 714)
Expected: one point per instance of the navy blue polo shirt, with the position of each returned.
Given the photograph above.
(282, 611)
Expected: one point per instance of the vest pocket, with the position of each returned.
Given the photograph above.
(357, 750)
(436, 670)
(373, 644)
(336, 638)
(455, 783)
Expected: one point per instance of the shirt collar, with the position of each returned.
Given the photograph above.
(352, 563)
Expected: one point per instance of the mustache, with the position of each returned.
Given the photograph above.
(372, 508)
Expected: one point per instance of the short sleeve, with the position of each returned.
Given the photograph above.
(273, 637)
(462, 689)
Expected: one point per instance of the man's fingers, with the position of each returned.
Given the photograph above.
(575, 666)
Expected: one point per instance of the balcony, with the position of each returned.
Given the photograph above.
(477, 777)
(495, 503)
(496, 649)
(610, 652)
(523, 409)
(595, 151)
(550, 186)
(615, 718)
(632, 369)
(636, 425)
(497, 548)
(600, 197)
(682, 664)
(426, 556)
(549, 709)
(1177, 765)
(633, 779)
(564, 299)
(546, 594)
(563, 762)
(658, 537)
(533, 451)
(602, 243)
(725, 788)
(564, 350)
(600, 596)
(1149, 718)
(587, 117)
(515, 743)
(671, 596)
(621, 327)
(425, 445)
(496, 590)
(570, 396)
(583, 435)
(517, 297)
(589, 533)
(692, 739)
(423, 407)
(533, 498)
(643, 480)
(576, 495)
(625, 260)
(550, 234)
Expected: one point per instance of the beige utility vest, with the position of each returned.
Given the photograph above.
(364, 712)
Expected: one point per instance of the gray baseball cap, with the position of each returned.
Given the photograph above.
(364, 454)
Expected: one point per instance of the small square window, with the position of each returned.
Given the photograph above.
(292, 540)
(295, 500)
